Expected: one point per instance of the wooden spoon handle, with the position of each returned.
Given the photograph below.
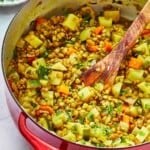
(135, 29)
(107, 68)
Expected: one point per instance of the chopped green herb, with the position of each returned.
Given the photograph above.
(69, 42)
(42, 72)
(45, 54)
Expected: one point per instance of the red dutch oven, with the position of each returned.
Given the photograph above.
(38, 137)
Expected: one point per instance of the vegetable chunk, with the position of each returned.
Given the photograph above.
(72, 22)
(33, 40)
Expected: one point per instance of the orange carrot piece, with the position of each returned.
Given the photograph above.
(40, 20)
(126, 119)
(70, 51)
(125, 108)
(135, 63)
(64, 89)
(98, 30)
(108, 46)
(31, 58)
(146, 32)
(10, 83)
(44, 108)
(92, 48)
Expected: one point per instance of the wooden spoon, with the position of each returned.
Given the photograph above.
(106, 69)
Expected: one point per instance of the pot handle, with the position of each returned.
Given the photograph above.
(35, 141)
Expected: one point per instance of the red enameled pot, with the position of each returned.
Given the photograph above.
(38, 137)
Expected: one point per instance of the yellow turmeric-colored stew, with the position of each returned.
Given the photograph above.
(45, 72)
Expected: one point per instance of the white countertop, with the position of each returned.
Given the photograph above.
(10, 138)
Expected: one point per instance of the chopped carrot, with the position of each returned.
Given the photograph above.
(98, 30)
(10, 83)
(31, 58)
(125, 108)
(40, 20)
(92, 48)
(146, 32)
(13, 86)
(64, 89)
(114, 136)
(108, 46)
(70, 51)
(44, 108)
(135, 63)
(126, 119)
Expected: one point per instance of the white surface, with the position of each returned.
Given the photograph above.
(10, 138)
(11, 2)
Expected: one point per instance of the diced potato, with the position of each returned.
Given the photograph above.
(135, 111)
(31, 93)
(99, 133)
(59, 119)
(116, 88)
(86, 133)
(43, 122)
(113, 14)
(73, 59)
(86, 33)
(141, 57)
(124, 126)
(27, 104)
(94, 113)
(142, 134)
(48, 96)
(135, 130)
(31, 72)
(77, 127)
(145, 87)
(86, 93)
(147, 79)
(106, 22)
(57, 122)
(59, 66)
(116, 37)
(22, 67)
(21, 43)
(129, 100)
(108, 143)
(146, 104)
(33, 40)
(39, 62)
(142, 48)
(14, 76)
(135, 75)
(55, 77)
(147, 61)
(44, 82)
(72, 22)
(42, 49)
(33, 83)
(99, 86)
(70, 136)
(119, 78)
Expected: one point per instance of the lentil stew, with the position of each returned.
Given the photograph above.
(45, 72)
